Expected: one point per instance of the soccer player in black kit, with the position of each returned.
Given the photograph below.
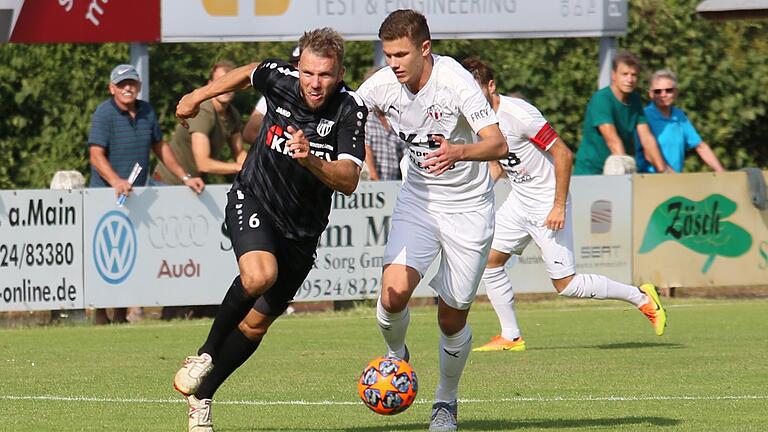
(310, 144)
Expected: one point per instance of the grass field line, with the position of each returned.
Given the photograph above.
(418, 401)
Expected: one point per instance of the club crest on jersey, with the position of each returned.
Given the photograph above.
(435, 112)
(324, 127)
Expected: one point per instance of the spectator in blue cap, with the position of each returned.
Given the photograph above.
(123, 130)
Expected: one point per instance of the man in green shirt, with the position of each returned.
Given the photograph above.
(613, 115)
(198, 147)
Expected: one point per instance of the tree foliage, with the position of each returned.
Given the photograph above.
(49, 92)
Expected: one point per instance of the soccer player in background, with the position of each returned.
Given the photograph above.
(310, 145)
(446, 203)
(538, 165)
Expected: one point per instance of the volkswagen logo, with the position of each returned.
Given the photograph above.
(114, 247)
(178, 231)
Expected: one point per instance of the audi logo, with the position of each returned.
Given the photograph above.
(178, 231)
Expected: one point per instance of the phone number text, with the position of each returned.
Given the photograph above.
(328, 289)
(36, 254)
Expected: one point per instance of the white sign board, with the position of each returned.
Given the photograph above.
(164, 247)
(41, 258)
(269, 20)
(602, 226)
(167, 247)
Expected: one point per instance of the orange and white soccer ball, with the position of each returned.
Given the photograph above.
(388, 385)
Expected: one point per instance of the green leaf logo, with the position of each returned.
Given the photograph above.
(699, 226)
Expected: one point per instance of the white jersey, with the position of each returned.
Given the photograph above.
(450, 104)
(529, 166)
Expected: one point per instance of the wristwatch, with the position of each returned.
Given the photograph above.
(186, 177)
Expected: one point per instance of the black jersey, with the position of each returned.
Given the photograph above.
(296, 200)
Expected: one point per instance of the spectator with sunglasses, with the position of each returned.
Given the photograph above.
(672, 129)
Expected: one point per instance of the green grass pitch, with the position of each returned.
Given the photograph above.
(590, 366)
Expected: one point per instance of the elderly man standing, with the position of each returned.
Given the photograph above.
(123, 130)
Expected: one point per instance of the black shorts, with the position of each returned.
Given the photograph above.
(251, 229)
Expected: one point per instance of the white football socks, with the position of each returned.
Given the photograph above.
(393, 327)
(454, 351)
(498, 287)
(600, 287)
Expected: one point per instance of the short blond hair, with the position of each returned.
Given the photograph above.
(324, 42)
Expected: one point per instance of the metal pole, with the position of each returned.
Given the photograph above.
(140, 60)
(378, 54)
(607, 53)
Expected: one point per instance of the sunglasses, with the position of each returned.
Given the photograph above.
(666, 90)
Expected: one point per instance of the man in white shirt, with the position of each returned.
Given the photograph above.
(446, 203)
(538, 166)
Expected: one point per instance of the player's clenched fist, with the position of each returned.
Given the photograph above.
(187, 107)
(298, 144)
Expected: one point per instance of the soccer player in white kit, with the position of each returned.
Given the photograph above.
(538, 166)
(446, 203)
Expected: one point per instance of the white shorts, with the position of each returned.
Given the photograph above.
(462, 239)
(515, 227)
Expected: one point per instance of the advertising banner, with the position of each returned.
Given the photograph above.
(86, 21)
(699, 230)
(41, 258)
(602, 227)
(168, 247)
(165, 246)
(264, 20)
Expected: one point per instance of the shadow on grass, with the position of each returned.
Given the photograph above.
(636, 345)
(621, 345)
(498, 425)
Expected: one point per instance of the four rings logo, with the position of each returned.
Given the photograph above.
(175, 231)
(114, 247)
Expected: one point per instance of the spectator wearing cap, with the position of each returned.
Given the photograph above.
(251, 130)
(123, 130)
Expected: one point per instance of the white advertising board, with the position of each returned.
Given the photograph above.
(602, 226)
(164, 247)
(41, 243)
(167, 247)
(269, 20)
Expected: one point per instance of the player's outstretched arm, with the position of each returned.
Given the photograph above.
(562, 157)
(236, 79)
(491, 146)
(339, 175)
